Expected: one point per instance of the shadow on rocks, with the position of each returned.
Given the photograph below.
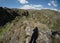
(34, 35)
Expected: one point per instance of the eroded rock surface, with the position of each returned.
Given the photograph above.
(24, 34)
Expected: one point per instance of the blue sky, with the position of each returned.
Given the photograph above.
(31, 4)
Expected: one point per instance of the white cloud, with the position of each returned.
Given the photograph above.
(53, 3)
(52, 9)
(23, 1)
(32, 7)
(49, 4)
(37, 7)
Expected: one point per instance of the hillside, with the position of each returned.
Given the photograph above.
(20, 26)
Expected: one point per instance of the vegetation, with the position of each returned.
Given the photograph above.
(12, 19)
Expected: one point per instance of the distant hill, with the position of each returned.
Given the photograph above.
(14, 23)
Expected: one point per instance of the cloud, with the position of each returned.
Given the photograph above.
(23, 1)
(52, 9)
(53, 3)
(32, 7)
(37, 7)
(49, 4)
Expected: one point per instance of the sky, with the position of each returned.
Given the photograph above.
(31, 4)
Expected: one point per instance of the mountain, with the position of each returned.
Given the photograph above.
(27, 26)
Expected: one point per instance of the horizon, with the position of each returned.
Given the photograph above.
(31, 4)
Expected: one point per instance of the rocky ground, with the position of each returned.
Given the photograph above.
(33, 27)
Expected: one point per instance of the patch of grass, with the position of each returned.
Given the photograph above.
(4, 28)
